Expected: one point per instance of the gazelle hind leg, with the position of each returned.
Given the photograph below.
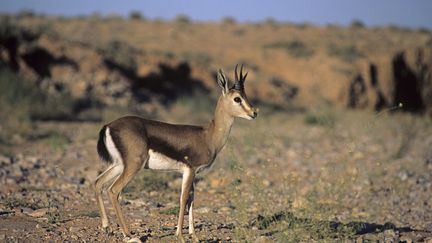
(100, 183)
(129, 171)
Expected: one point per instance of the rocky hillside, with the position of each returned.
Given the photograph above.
(113, 61)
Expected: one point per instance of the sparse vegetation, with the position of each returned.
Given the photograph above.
(356, 23)
(136, 15)
(182, 19)
(13, 202)
(57, 141)
(294, 48)
(199, 57)
(24, 102)
(119, 53)
(229, 20)
(170, 211)
(323, 119)
(90, 214)
(348, 53)
(302, 172)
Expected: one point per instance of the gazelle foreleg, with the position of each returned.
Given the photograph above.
(188, 177)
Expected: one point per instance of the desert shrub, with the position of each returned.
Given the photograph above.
(239, 31)
(228, 20)
(295, 48)
(10, 31)
(270, 22)
(171, 211)
(136, 15)
(23, 102)
(199, 57)
(348, 53)
(113, 17)
(14, 202)
(119, 53)
(26, 13)
(325, 119)
(424, 30)
(356, 23)
(182, 19)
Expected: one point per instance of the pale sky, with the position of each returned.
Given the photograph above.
(404, 13)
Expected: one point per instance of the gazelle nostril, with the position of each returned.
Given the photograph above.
(255, 114)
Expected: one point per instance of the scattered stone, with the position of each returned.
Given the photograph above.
(5, 212)
(202, 210)
(73, 229)
(266, 183)
(4, 160)
(218, 182)
(39, 212)
(27, 210)
(262, 238)
(127, 239)
(405, 239)
(225, 209)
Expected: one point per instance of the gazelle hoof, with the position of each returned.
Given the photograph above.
(194, 238)
(129, 240)
(180, 238)
(106, 230)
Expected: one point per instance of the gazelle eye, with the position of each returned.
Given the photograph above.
(237, 99)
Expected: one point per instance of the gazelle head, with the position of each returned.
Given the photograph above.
(234, 100)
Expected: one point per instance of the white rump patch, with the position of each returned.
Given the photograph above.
(112, 149)
(158, 161)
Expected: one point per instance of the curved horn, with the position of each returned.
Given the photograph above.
(239, 82)
(235, 74)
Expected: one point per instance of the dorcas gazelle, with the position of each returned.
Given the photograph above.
(131, 143)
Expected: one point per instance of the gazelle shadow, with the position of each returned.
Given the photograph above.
(329, 227)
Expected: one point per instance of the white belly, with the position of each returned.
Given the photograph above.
(158, 161)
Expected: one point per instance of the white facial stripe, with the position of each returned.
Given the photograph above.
(158, 161)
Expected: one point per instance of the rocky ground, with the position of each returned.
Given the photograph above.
(306, 170)
(317, 175)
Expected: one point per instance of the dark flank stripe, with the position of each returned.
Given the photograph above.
(183, 155)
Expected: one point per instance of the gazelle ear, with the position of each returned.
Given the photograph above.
(222, 81)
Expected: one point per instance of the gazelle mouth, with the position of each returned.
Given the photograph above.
(253, 116)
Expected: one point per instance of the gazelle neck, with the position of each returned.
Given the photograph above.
(220, 127)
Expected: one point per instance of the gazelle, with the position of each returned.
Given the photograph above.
(131, 143)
